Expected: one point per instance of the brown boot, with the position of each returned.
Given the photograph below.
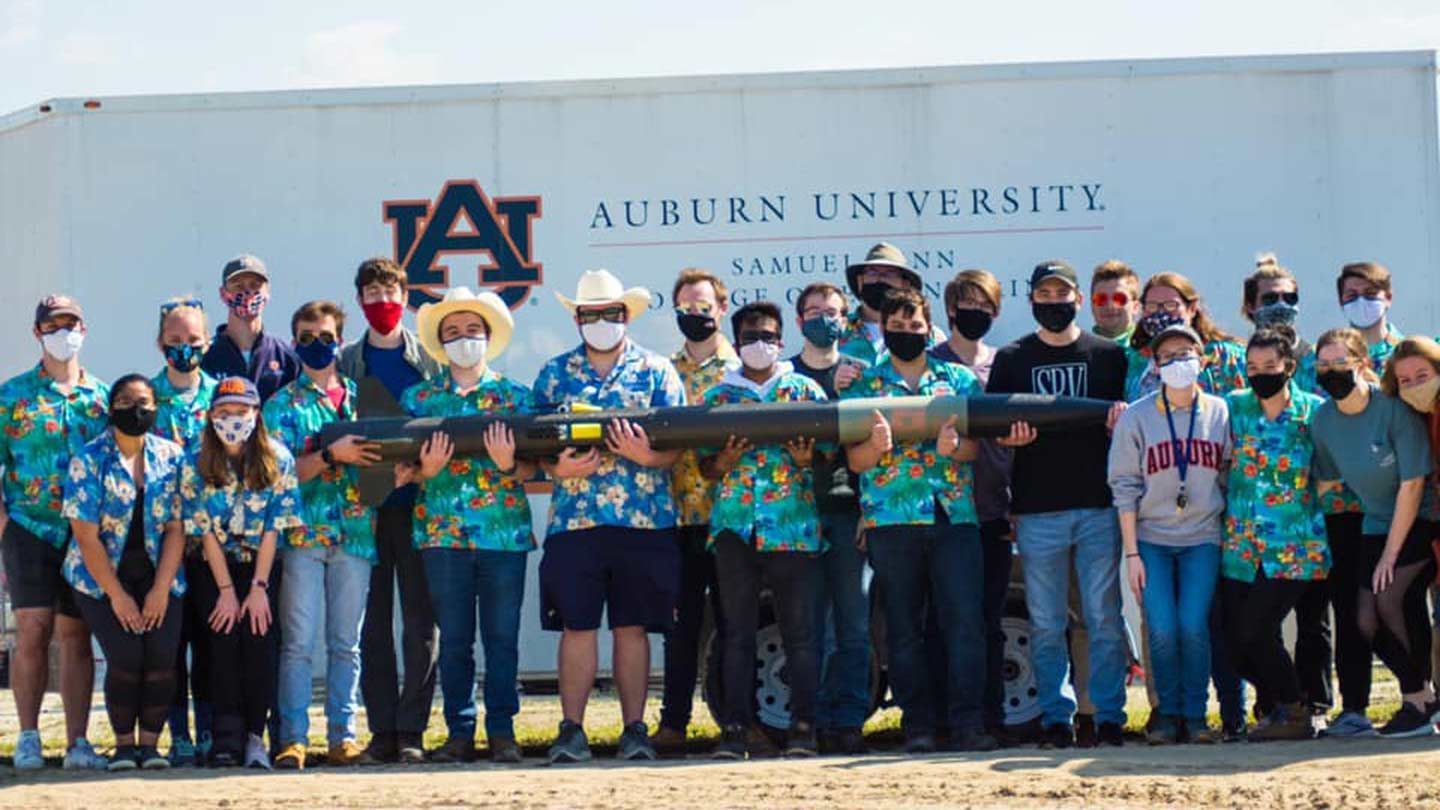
(669, 743)
(1290, 721)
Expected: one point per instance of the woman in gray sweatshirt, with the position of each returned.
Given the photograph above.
(1167, 462)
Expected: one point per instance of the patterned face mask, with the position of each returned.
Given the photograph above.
(247, 304)
(234, 429)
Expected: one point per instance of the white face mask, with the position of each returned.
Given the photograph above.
(1180, 373)
(466, 352)
(63, 344)
(759, 355)
(233, 430)
(1363, 313)
(602, 336)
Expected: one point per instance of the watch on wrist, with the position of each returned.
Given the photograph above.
(261, 584)
(327, 457)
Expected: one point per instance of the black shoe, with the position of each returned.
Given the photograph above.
(1234, 732)
(1111, 734)
(972, 741)
(224, 759)
(733, 741)
(383, 749)
(800, 742)
(455, 750)
(410, 748)
(852, 742)
(1085, 735)
(920, 743)
(759, 744)
(827, 742)
(505, 750)
(1004, 737)
(1409, 721)
(1056, 736)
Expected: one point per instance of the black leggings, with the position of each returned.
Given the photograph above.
(1253, 612)
(242, 664)
(1353, 655)
(140, 668)
(1396, 620)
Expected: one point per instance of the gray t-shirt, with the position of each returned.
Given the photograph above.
(1372, 452)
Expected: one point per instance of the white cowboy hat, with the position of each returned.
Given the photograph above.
(486, 304)
(599, 287)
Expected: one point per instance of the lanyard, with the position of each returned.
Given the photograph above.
(1181, 453)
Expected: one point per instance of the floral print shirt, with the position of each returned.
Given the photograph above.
(41, 429)
(331, 508)
(471, 504)
(767, 498)
(903, 487)
(692, 491)
(182, 414)
(1272, 519)
(621, 492)
(239, 516)
(1223, 371)
(100, 489)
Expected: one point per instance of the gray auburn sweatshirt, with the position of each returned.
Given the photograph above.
(1144, 478)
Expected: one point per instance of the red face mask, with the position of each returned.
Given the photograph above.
(383, 315)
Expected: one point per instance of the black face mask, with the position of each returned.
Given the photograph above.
(1266, 386)
(696, 328)
(134, 420)
(1338, 384)
(1054, 317)
(972, 324)
(905, 345)
(873, 294)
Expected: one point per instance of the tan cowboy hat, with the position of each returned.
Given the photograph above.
(486, 304)
(882, 255)
(600, 287)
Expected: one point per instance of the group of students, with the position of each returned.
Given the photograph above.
(195, 525)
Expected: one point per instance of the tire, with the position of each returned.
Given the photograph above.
(1022, 689)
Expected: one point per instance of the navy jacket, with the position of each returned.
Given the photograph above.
(272, 365)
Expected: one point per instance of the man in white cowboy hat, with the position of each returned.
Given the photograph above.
(472, 520)
(610, 542)
(884, 268)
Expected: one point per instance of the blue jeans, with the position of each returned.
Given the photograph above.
(321, 579)
(843, 629)
(942, 563)
(1045, 541)
(1179, 587)
(485, 587)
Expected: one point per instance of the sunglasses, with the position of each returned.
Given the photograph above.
(759, 336)
(1292, 298)
(1118, 299)
(306, 338)
(611, 314)
(170, 306)
(699, 308)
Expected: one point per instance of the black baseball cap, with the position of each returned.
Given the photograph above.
(1054, 268)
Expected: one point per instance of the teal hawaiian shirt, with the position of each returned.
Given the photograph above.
(1223, 371)
(471, 504)
(238, 516)
(855, 341)
(621, 492)
(332, 511)
(182, 414)
(902, 489)
(40, 430)
(1272, 517)
(100, 489)
(767, 498)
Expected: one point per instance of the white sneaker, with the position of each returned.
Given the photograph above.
(256, 755)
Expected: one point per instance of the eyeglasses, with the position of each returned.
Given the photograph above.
(1117, 299)
(759, 336)
(170, 306)
(611, 314)
(1172, 306)
(1292, 298)
(1166, 359)
(306, 338)
(1343, 364)
(697, 308)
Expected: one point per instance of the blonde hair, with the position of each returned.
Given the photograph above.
(182, 305)
(1355, 348)
(1417, 346)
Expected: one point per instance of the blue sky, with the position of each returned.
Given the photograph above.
(51, 48)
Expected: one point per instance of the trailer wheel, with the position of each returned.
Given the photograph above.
(1022, 689)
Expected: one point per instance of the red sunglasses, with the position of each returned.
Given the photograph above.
(1119, 299)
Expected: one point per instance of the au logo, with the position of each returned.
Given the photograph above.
(462, 220)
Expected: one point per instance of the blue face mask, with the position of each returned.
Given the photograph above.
(823, 331)
(1276, 314)
(183, 358)
(318, 354)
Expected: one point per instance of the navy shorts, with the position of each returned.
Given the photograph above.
(33, 572)
(633, 575)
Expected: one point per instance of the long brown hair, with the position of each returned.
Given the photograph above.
(262, 468)
(1207, 329)
(1355, 347)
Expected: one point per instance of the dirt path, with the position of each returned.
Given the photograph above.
(1320, 774)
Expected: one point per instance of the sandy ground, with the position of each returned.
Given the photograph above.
(1318, 774)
